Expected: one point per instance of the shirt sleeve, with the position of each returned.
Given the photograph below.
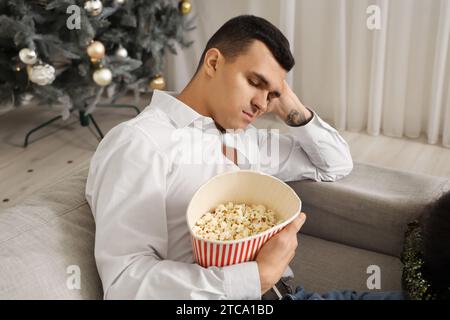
(314, 151)
(126, 190)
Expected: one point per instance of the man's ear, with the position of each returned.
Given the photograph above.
(211, 62)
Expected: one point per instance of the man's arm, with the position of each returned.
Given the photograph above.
(311, 150)
(289, 108)
(126, 190)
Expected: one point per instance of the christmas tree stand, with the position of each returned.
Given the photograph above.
(85, 120)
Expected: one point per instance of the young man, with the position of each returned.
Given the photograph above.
(146, 170)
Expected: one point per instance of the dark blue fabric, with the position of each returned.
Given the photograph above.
(301, 294)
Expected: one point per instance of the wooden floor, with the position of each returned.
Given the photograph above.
(56, 151)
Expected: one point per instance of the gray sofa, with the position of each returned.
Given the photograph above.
(352, 224)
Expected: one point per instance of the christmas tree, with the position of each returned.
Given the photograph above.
(67, 52)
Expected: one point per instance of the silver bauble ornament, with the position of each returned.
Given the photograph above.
(28, 56)
(102, 76)
(93, 7)
(121, 52)
(41, 74)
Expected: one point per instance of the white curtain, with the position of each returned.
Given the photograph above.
(393, 81)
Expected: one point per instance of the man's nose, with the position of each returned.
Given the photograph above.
(260, 102)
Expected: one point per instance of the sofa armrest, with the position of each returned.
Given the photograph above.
(44, 239)
(368, 209)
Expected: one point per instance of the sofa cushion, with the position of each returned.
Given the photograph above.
(47, 242)
(322, 265)
(368, 209)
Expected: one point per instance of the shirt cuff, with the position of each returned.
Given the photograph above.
(242, 281)
(311, 131)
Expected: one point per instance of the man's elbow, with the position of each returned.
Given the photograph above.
(335, 172)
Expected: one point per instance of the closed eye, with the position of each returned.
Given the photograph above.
(254, 83)
(271, 96)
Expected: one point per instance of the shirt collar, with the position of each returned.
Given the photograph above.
(181, 114)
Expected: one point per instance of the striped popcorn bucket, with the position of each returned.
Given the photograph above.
(244, 186)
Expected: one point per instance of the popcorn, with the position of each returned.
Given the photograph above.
(235, 221)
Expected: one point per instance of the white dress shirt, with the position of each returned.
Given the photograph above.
(143, 175)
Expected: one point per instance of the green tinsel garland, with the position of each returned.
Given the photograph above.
(415, 284)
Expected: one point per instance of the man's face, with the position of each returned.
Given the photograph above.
(242, 89)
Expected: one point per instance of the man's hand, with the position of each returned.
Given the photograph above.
(289, 108)
(275, 255)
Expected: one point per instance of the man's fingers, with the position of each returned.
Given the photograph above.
(298, 222)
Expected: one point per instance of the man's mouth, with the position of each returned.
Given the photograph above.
(250, 116)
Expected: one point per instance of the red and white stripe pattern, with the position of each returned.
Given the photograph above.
(208, 254)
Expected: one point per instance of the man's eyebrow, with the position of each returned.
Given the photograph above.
(266, 83)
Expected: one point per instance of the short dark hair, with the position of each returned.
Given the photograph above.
(237, 34)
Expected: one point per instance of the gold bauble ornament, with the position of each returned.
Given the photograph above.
(96, 50)
(157, 83)
(102, 76)
(93, 7)
(185, 7)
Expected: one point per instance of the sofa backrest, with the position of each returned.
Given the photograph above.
(47, 245)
